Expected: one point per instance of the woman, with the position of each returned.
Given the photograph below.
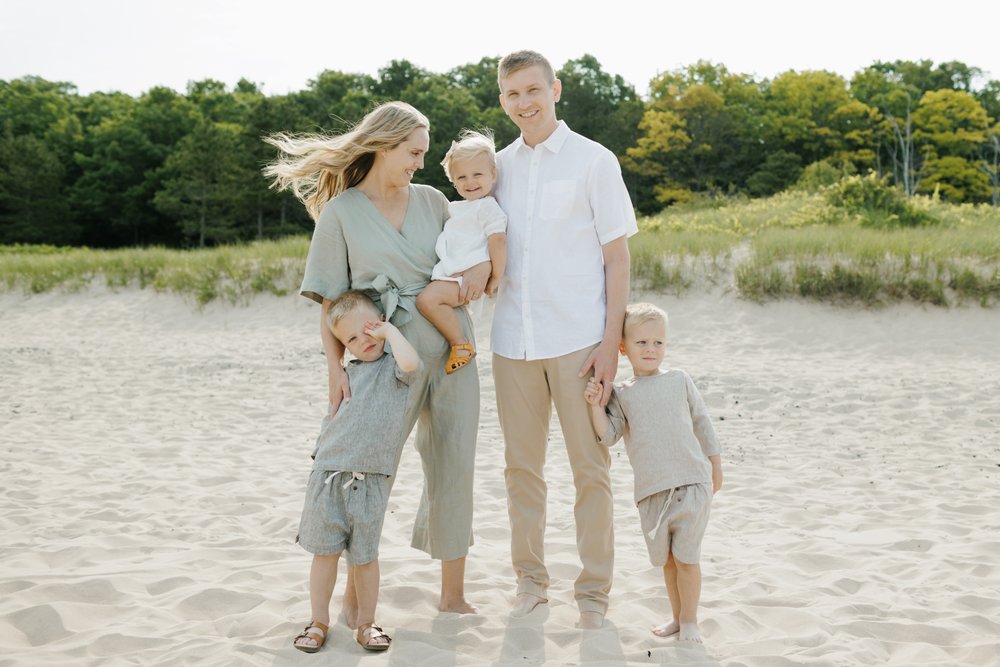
(376, 231)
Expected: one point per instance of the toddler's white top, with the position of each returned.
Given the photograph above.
(462, 243)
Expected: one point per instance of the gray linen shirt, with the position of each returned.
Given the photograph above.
(367, 432)
(667, 429)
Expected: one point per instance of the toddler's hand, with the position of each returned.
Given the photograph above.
(492, 285)
(378, 329)
(593, 392)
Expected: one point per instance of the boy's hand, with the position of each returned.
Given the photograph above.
(716, 477)
(593, 392)
(378, 329)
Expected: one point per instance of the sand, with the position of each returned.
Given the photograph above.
(153, 458)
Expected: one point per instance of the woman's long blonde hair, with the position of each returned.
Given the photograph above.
(317, 167)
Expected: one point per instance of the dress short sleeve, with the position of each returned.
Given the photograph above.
(327, 274)
(493, 218)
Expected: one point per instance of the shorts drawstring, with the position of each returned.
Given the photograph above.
(663, 513)
(353, 476)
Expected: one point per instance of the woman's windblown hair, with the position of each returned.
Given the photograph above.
(318, 167)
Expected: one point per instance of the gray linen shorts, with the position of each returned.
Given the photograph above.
(676, 528)
(344, 514)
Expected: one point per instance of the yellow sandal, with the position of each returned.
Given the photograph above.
(457, 360)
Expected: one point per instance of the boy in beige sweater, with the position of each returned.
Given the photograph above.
(675, 456)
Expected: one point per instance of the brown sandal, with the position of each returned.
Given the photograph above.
(317, 634)
(456, 360)
(369, 633)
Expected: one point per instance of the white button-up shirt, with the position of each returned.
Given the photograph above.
(564, 199)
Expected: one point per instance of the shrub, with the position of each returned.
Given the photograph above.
(876, 203)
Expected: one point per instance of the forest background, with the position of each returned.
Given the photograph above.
(177, 169)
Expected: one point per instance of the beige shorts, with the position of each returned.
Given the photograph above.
(674, 521)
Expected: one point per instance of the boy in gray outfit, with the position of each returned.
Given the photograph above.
(348, 489)
(675, 456)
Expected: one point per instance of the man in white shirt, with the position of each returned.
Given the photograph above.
(558, 318)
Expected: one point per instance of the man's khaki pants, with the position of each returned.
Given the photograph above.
(526, 391)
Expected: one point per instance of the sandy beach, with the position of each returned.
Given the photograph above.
(153, 458)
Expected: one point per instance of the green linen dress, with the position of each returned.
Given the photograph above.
(355, 247)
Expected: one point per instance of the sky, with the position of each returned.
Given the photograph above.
(133, 45)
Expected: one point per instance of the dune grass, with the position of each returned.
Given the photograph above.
(796, 244)
(231, 273)
(799, 245)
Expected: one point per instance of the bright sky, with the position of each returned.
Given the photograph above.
(132, 45)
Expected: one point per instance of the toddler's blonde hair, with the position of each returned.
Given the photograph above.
(640, 313)
(347, 302)
(470, 144)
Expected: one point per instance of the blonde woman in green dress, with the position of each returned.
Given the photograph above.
(376, 231)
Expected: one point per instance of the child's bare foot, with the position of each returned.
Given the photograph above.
(525, 603)
(457, 607)
(667, 629)
(689, 633)
(590, 620)
(349, 615)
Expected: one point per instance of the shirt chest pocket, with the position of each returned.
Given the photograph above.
(558, 198)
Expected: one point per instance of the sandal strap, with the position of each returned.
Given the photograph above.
(320, 630)
(373, 631)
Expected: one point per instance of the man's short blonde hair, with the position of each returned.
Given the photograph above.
(640, 313)
(470, 144)
(512, 62)
(348, 302)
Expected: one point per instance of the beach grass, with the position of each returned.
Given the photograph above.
(801, 245)
(796, 244)
(230, 273)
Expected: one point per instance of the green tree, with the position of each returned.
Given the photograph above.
(122, 169)
(990, 162)
(204, 186)
(801, 115)
(955, 179)
(32, 208)
(700, 133)
(780, 170)
(598, 105)
(333, 101)
(950, 126)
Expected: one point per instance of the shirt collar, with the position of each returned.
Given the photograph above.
(555, 141)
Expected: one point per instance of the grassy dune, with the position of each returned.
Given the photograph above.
(793, 245)
(798, 244)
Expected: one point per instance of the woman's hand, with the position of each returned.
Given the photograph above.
(340, 390)
(474, 282)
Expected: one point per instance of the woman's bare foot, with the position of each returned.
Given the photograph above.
(667, 629)
(457, 607)
(689, 633)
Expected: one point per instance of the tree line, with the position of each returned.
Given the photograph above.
(183, 169)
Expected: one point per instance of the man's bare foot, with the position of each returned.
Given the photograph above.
(458, 607)
(667, 629)
(689, 633)
(349, 615)
(590, 620)
(525, 603)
